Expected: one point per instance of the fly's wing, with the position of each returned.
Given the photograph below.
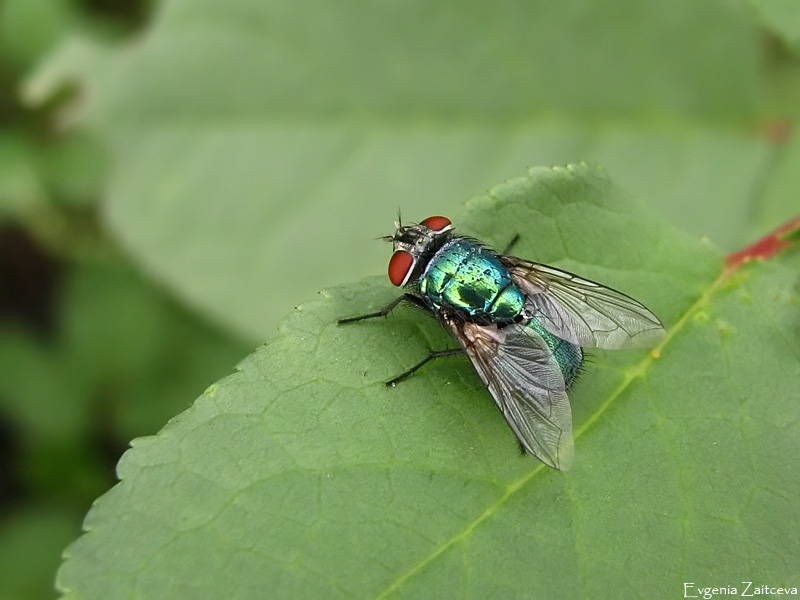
(583, 312)
(524, 379)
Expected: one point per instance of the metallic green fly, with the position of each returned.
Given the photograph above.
(523, 326)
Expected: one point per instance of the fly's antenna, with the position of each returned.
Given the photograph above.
(397, 225)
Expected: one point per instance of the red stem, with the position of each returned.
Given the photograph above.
(768, 246)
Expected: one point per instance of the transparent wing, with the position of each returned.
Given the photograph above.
(584, 312)
(526, 382)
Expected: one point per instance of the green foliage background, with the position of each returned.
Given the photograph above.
(175, 177)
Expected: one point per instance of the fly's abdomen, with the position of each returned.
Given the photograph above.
(569, 356)
(464, 276)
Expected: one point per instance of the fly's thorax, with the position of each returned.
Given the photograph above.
(464, 276)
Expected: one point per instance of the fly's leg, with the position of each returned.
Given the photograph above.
(511, 244)
(426, 360)
(410, 298)
(419, 303)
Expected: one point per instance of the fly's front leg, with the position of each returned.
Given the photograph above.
(410, 298)
(419, 303)
(426, 360)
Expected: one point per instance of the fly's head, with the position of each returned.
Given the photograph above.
(414, 245)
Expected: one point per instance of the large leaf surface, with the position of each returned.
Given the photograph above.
(302, 476)
(782, 17)
(298, 128)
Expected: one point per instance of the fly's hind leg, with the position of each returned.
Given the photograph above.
(426, 360)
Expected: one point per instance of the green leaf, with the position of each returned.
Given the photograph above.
(75, 170)
(29, 27)
(21, 189)
(780, 194)
(284, 125)
(782, 17)
(30, 544)
(302, 475)
(122, 354)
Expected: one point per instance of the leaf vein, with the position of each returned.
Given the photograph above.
(632, 375)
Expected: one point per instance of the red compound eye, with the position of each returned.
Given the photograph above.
(400, 267)
(436, 223)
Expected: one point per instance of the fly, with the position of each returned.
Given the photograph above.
(522, 325)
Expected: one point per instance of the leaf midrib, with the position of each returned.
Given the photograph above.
(631, 375)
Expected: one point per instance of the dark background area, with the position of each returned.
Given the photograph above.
(91, 353)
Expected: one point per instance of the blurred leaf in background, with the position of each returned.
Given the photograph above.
(297, 127)
(91, 354)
